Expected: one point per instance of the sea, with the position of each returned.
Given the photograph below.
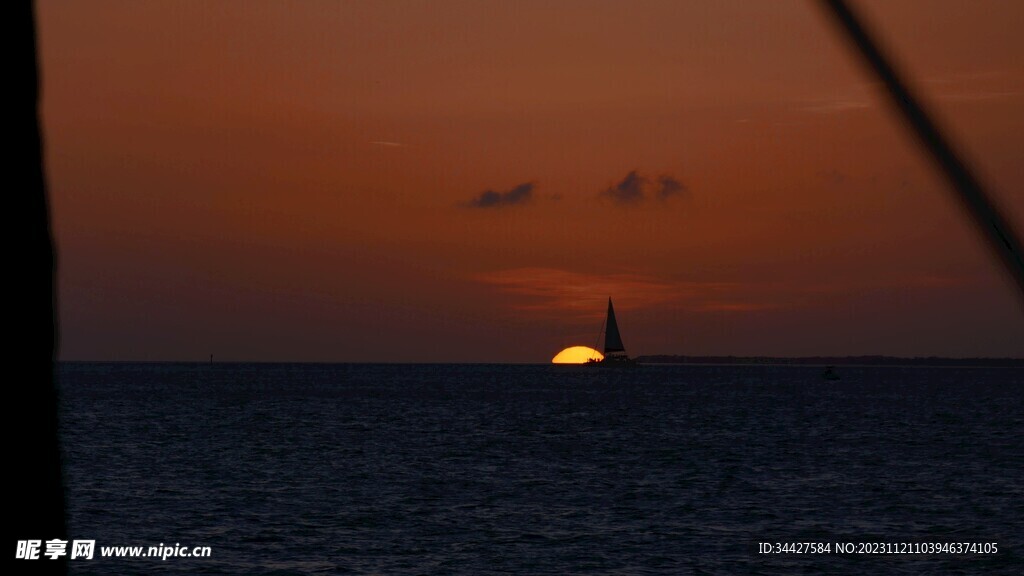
(476, 469)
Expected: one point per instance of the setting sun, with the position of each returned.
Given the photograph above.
(576, 355)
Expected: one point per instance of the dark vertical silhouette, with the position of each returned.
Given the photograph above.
(973, 198)
(35, 483)
(612, 338)
(614, 350)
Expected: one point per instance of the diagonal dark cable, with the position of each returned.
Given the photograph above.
(972, 196)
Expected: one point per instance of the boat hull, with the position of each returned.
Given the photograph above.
(613, 362)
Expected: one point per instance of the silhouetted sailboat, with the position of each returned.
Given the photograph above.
(614, 350)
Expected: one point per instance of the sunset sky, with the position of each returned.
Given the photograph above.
(470, 181)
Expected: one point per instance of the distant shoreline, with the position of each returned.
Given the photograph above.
(834, 360)
(653, 359)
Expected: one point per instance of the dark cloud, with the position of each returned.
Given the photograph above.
(669, 187)
(490, 199)
(634, 188)
(629, 191)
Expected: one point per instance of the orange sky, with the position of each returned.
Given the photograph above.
(309, 180)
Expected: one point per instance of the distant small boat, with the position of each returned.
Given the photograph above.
(829, 374)
(614, 350)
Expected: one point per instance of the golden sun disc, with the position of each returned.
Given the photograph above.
(576, 355)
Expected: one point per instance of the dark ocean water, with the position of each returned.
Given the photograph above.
(490, 469)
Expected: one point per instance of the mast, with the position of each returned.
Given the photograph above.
(612, 339)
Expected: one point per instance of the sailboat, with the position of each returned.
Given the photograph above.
(614, 350)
